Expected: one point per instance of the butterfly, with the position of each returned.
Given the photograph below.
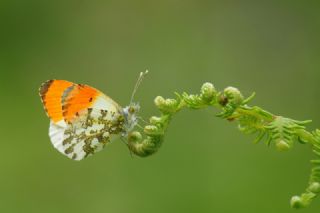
(84, 120)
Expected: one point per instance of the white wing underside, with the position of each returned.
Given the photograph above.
(90, 131)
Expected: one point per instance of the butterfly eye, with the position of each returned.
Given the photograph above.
(131, 110)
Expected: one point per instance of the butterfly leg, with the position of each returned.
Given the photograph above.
(125, 141)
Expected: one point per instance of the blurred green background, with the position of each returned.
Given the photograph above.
(206, 164)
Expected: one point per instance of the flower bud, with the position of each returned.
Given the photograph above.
(314, 187)
(233, 95)
(208, 92)
(159, 101)
(296, 202)
(155, 120)
(134, 136)
(171, 103)
(166, 105)
(282, 145)
(151, 130)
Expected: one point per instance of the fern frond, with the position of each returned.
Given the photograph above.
(277, 130)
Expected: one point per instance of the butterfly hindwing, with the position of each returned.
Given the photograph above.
(87, 134)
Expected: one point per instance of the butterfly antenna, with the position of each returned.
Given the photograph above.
(141, 76)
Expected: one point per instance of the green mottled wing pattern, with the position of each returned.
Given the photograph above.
(88, 133)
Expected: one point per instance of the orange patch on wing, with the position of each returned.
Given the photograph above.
(51, 93)
(79, 98)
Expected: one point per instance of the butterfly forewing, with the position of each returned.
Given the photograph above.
(50, 93)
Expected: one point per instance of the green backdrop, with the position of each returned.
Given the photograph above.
(205, 164)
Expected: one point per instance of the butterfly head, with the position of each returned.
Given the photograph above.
(130, 113)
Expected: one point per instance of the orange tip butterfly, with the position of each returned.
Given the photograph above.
(84, 120)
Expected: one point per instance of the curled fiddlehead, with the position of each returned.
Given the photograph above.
(274, 130)
(313, 188)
